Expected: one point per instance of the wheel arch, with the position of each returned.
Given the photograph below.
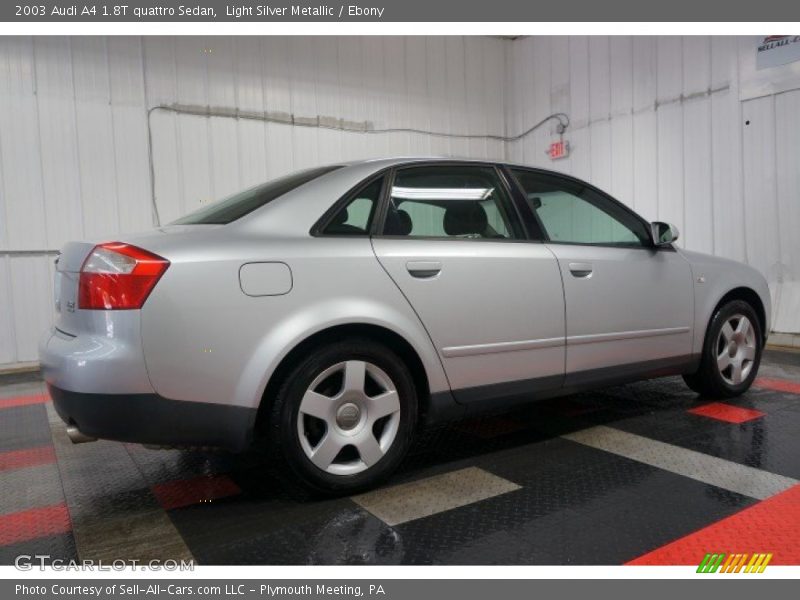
(750, 296)
(378, 333)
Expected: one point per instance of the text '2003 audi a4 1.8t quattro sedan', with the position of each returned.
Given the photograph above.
(330, 313)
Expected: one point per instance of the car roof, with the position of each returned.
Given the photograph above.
(391, 161)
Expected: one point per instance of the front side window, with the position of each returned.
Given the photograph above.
(573, 213)
(240, 204)
(355, 217)
(449, 202)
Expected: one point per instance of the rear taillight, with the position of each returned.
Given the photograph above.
(117, 276)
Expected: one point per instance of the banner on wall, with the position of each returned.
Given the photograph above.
(776, 50)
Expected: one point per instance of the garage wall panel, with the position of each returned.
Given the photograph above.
(698, 197)
(645, 68)
(95, 137)
(760, 186)
(32, 302)
(622, 172)
(8, 342)
(599, 78)
(58, 137)
(278, 101)
(513, 99)
(670, 164)
(129, 122)
(580, 142)
(645, 164)
(726, 176)
(696, 68)
(542, 97)
(787, 148)
(20, 152)
(669, 67)
(559, 90)
(600, 140)
(475, 97)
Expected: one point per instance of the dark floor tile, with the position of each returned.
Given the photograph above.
(24, 427)
(346, 535)
(54, 547)
(781, 358)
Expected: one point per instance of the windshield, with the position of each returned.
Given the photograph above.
(238, 205)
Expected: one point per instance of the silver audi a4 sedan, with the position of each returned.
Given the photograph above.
(330, 313)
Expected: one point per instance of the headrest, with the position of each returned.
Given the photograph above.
(465, 218)
(398, 222)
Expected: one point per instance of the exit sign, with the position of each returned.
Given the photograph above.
(559, 149)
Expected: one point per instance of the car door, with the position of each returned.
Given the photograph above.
(491, 301)
(629, 305)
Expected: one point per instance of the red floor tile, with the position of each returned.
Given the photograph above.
(778, 385)
(727, 412)
(23, 400)
(175, 494)
(769, 526)
(29, 457)
(34, 523)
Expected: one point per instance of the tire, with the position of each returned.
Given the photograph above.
(333, 437)
(733, 338)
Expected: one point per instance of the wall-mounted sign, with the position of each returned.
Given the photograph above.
(775, 50)
(559, 149)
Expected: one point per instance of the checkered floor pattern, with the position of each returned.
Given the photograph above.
(643, 474)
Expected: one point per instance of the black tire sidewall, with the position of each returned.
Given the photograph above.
(711, 371)
(285, 438)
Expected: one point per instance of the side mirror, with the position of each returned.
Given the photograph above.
(663, 234)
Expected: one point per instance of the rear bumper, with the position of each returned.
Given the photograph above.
(152, 419)
(97, 362)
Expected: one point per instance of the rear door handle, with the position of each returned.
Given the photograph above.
(424, 269)
(580, 269)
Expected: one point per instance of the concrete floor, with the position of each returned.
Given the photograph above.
(645, 473)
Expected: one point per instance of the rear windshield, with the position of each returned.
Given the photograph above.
(238, 205)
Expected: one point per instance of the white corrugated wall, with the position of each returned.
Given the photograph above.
(656, 121)
(673, 127)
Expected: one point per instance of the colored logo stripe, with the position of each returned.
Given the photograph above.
(734, 563)
(710, 563)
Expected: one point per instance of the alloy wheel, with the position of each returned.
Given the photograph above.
(736, 349)
(348, 417)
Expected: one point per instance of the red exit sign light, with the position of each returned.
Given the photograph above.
(559, 149)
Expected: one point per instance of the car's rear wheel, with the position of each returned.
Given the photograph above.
(731, 352)
(344, 417)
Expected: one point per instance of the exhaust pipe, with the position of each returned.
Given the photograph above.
(77, 437)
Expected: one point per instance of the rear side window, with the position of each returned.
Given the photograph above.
(238, 205)
(449, 202)
(355, 217)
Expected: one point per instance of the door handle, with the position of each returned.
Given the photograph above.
(423, 269)
(580, 269)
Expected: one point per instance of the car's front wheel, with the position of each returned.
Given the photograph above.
(731, 352)
(344, 417)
